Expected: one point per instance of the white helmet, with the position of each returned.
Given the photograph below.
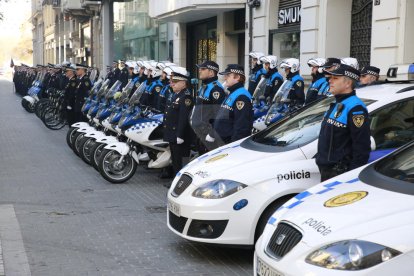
(161, 65)
(167, 71)
(130, 64)
(316, 62)
(292, 63)
(147, 66)
(179, 72)
(256, 55)
(351, 62)
(136, 69)
(272, 60)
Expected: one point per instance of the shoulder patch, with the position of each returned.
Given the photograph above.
(86, 83)
(239, 105)
(358, 120)
(137, 84)
(299, 83)
(187, 102)
(216, 95)
(73, 84)
(158, 89)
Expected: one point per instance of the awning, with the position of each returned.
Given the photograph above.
(197, 12)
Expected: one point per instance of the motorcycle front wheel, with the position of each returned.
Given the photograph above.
(114, 170)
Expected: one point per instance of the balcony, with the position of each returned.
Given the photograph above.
(69, 5)
(190, 10)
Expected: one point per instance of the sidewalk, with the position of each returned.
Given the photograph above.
(13, 259)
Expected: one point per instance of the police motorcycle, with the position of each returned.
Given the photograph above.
(118, 161)
(33, 94)
(105, 118)
(98, 110)
(279, 108)
(114, 166)
(129, 108)
(98, 90)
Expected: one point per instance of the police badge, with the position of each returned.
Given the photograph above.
(187, 102)
(358, 120)
(216, 95)
(239, 105)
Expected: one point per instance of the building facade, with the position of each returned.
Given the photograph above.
(377, 32)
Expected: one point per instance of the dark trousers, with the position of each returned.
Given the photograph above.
(179, 155)
(328, 173)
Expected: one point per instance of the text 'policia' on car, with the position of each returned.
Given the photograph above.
(227, 195)
(361, 222)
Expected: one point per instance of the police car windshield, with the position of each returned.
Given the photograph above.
(298, 130)
(398, 166)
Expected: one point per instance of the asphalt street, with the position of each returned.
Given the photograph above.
(73, 222)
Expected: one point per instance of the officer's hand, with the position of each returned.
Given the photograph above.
(179, 141)
(210, 139)
(69, 107)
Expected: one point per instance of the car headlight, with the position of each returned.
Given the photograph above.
(351, 255)
(218, 189)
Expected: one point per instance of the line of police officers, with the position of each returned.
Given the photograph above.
(218, 113)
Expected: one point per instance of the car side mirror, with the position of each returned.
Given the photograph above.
(373, 144)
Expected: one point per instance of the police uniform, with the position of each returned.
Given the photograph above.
(296, 93)
(82, 91)
(123, 76)
(234, 120)
(257, 72)
(116, 74)
(70, 91)
(164, 96)
(151, 94)
(176, 125)
(273, 83)
(319, 88)
(344, 139)
(210, 96)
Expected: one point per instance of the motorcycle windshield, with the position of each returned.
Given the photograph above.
(279, 101)
(93, 75)
(115, 88)
(127, 90)
(103, 89)
(137, 94)
(259, 91)
(96, 87)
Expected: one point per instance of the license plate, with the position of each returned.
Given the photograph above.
(263, 269)
(174, 208)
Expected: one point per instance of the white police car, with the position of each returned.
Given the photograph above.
(361, 222)
(227, 195)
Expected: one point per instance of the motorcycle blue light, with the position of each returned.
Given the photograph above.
(240, 204)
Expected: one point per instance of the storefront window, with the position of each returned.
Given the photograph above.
(285, 45)
(136, 35)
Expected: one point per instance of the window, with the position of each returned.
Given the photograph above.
(393, 125)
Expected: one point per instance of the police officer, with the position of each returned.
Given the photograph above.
(369, 75)
(296, 94)
(257, 71)
(82, 91)
(166, 91)
(116, 73)
(331, 64)
(234, 120)
(209, 99)
(344, 139)
(123, 76)
(154, 86)
(319, 87)
(177, 130)
(274, 78)
(70, 91)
